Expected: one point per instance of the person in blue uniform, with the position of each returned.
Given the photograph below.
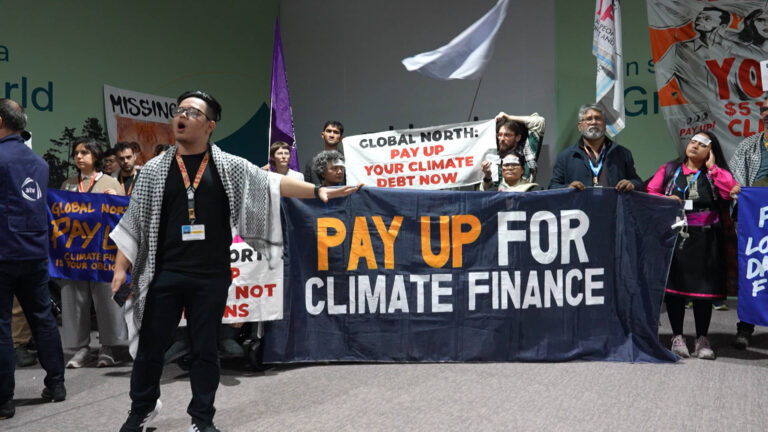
(24, 258)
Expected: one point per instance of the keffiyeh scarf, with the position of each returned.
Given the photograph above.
(254, 208)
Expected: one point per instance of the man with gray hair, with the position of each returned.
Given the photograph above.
(24, 258)
(595, 160)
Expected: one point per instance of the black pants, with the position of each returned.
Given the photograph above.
(745, 327)
(702, 313)
(28, 280)
(203, 300)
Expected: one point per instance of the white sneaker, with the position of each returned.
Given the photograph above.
(140, 422)
(679, 347)
(194, 427)
(106, 358)
(704, 349)
(81, 358)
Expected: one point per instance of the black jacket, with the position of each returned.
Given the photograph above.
(572, 164)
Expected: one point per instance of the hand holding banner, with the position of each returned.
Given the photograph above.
(400, 275)
(753, 255)
(437, 157)
(80, 246)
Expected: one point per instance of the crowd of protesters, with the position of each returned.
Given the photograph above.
(701, 181)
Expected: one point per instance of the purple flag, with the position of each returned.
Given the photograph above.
(281, 119)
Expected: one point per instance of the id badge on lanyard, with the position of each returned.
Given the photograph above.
(688, 203)
(596, 169)
(192, 231)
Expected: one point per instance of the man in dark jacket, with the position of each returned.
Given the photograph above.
(594, 160)
(24, 258)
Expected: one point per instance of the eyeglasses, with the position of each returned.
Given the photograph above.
(592, 118)
(192, 112)
(510, 165)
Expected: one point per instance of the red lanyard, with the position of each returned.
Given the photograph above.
(191, 188)
(80, 183)
(130, 188)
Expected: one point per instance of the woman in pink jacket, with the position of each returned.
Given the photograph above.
(701, 183)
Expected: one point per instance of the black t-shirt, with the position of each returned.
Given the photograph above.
(209, 257)
(127, 182)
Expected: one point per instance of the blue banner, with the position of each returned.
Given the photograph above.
(397, 275)
(79, 229)
(753, 255)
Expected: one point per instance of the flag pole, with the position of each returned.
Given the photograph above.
(477, 90)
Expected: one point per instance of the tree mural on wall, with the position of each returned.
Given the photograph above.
(59, 156)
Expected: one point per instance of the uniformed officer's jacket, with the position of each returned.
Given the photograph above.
(23, 189)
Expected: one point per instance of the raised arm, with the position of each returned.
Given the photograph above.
(293, 188)
(534, 122)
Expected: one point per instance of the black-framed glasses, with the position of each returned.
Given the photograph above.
(192, 112)
(592, 118)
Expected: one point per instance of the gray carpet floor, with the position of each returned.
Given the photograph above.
(728, 394)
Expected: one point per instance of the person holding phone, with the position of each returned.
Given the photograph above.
(175, 237)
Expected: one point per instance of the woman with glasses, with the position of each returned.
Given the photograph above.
(512, 179)
(702, 184)
(76, 295)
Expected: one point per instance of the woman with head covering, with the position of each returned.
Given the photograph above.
(512, 179)
(329, 166)
(702, 188)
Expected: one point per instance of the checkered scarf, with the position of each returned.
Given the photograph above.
(745, 161)
(254, 208)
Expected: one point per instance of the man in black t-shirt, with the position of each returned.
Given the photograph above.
(176, 235)
(332, 134)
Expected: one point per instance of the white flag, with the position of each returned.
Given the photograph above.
(606, 47)
(467, 54)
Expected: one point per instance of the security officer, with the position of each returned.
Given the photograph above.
(24, 258)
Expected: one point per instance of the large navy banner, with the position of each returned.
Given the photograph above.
(80, 246)
(397, 275)
(753, 255)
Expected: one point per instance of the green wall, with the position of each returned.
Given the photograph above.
(71, 49)
(645, 133)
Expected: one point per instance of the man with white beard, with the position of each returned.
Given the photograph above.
(595, 160)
